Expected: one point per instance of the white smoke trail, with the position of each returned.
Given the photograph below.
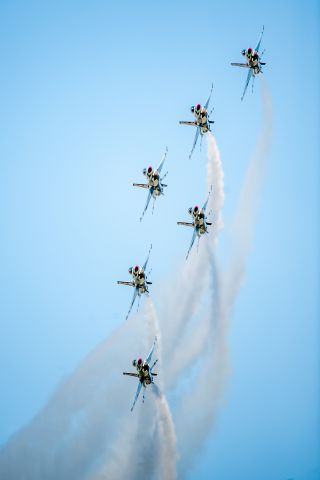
(215, 177)
(182, 357)
(76, 429)
(167, 437)
(148, 444)
(195, 278)
(248, 204)
(210, 383)
(165, 426)
(80, 433)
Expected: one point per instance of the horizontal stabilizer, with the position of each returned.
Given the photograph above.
(186, 224)
(243, 65)
(142, 185)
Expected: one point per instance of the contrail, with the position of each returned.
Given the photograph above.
(248, 205)
(79, 432)
(146, 446)
(194, 279)
(164, 424)
(76, 429)
(82, 431)
(167, 437)
(210, 383)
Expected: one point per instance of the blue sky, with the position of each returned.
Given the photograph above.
(90, 94)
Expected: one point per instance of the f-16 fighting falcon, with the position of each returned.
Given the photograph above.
(144, 373)
(154, 185)
(199, 223)
(139, 281)
(253, 62)
(202, 122)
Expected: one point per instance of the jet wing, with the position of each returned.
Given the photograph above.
(135, 293)
(162, 161)
(151, 351)
(192, 242)
(195, 141)
(186, 224)
(147, 259)
(207, 102)
(136, 396)
(130, 374)
(206, 202)
(146, 205)
(247, 83)
(193, 124)
(244, 65)
(130, 284)
(259, 42)
(142, 185)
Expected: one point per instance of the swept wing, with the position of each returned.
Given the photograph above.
(147, 259)
(207, 102)
(259, 42)
(206, 202)
(247, 83)
(162, 161)
(151, 351)
(195, 141)
(135, 293)
(192, 241)
(147, 204)
(136, 396)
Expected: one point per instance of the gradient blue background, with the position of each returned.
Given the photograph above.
(91, 93)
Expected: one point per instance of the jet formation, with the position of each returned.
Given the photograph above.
(199, 221)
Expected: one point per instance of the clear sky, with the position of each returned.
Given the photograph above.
(90, 94)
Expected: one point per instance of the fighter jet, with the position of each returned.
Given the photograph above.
(154, 183)
(253, 63)
(144, 373)
(199, 224)
(139, 281)
(202, 122)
